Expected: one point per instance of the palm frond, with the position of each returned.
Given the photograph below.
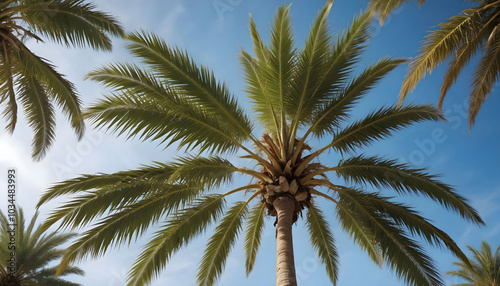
(403, 254)
(381, 124)
(322, 241)
(329, 116)
(198, 83)
(220, 244)
(255, 225)
(56, 86)
(255, 71)
(464, 53)
(71, 22)
(124, 224)
(361, 232)
(340, 64)
(438, 46)
(282, 60)
(200, 171)
(7, 88)
(174, 234)
(159, 173)
(404, 215)
(262, 103)
(486, 74)
(381, 172)
(484, 268)
(155, 120)
(39, 113)
(310, 66)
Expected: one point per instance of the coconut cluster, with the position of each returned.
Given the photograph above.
(285, 187)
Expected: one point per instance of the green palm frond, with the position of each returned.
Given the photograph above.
(7, 88)
(124, 113)
(127, 223)
(220, 244)
(310, 67)
(485, 76)
(255, 71)
(475, 39)
(282, 60)
(339, 66)
(322, 241)
(406, 217)
(255, 225)
(39, 113)
(71, 22)
(159, 173)
(198, 83)
(329, 117)
(459, 38)
(381, 124)
(437, 47)
(59, 89)
(207, 172)
(403, 254)
(174, 234)
(387, 173)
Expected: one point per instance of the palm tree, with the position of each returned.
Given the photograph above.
(460, 38)
(31, 80)
(34, 250)
(484, 270)
(296, 95)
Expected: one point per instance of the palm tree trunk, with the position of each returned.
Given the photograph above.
(285, 267)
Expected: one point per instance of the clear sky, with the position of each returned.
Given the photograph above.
(213, 32)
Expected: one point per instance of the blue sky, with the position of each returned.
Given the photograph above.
(213, 33)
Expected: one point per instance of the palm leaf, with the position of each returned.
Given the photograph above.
(438, 46)
(55, 85)
(127, 223)
(220, 244)
(152, 119)
(380, 172)
(39, 113)
(199, 84)
(475, 39)
(322, 241)
(335, 111)
(381, 124)
(174, 234)
(255, 71)
(281, 62)
(485, 76)
(71, 22)
(255, 225)
(159, 173)
(310, 67)
(403, 254)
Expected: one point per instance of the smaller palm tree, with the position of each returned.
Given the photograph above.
(34, 249)
(483, 271)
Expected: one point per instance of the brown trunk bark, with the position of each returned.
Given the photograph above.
(285, 267)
